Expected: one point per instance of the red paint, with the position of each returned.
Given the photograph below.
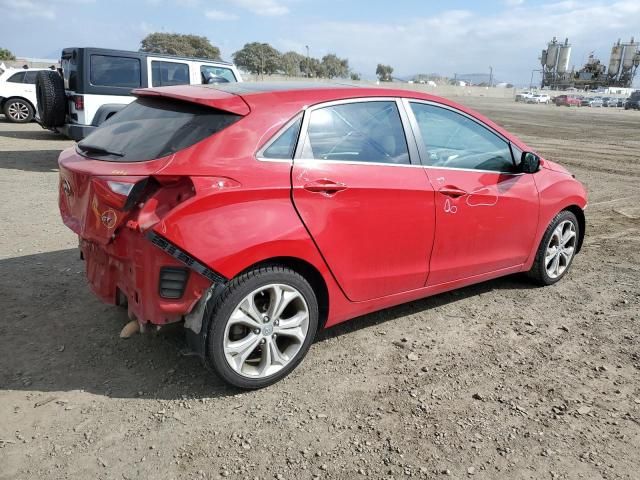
(378, 235)
(567, 101)
(475, 230)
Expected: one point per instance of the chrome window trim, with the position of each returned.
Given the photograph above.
(422, 146)
(260, 153)
(352, 162)
(515, 174)
(413, 160)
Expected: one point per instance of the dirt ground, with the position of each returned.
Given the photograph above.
(499, 380)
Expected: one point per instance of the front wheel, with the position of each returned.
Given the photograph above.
(262, 326)
(556, 250)
(18, 110)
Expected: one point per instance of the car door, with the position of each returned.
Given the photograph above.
(367, 205)
(486, 212)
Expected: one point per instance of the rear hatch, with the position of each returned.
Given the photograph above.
(106, 179)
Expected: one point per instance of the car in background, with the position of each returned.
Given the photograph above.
(568, 101)
(538, 98)
(591, 102)
(523, 96)
(238, 210)
(608, 101)
(633, 102)
(18, 94)
(95, 83)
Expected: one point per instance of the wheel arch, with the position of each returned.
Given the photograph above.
(310, 273)
(105, 112)
(582, 222)
(17, 97)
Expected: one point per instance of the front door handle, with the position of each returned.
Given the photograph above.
(452, 191)
(326, 186)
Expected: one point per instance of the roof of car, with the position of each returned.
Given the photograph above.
(290, 97)
(20, 69)
(110, 51)
(242, 97)
(246, 88)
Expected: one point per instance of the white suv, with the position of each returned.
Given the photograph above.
(539, 98)
(96, 83)
(18, 94)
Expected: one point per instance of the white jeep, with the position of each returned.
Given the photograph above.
(95, 84)
(18, 94)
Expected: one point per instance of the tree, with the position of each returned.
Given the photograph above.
(258, 58)
(293, 64)
(316, 68)
(334, 66)
(354, 76)
(6, 54)
(384, 72)
(178, 44)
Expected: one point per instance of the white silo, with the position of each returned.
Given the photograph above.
(616, 60)
(563, 57)
(552, 54)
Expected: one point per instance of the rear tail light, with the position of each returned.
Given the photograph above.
(155, 197)
(122, 193)
(78, 101)
(121, 188)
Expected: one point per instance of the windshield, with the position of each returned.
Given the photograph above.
(151, 128)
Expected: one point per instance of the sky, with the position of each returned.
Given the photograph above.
(413, 36)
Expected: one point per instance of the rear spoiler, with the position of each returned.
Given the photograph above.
(201, 95)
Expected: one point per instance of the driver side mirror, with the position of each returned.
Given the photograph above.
(529, 162)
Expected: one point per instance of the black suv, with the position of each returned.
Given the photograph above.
(633, 101)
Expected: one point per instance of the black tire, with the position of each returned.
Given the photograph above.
(538, 272)
(18, 110)
(221, 308)
(52, 99)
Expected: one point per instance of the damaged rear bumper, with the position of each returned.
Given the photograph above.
(141, 271)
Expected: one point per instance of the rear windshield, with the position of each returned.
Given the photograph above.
(151, 128)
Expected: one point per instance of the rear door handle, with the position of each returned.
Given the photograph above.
(451, 191)
(326, 186)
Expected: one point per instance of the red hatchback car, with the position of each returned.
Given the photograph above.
(259, 213)
(568, 101)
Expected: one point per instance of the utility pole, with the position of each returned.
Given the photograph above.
(490, 76)
(307, 47)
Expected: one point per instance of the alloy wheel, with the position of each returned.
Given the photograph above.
(18, 111)
(266, 330)
(560, 249)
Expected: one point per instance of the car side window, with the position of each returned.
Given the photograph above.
(453, 140)
(169, 73)
(284, 146)
(30, 77)
(211, 74)
(110, 71)
(16, 77)
(360, 132)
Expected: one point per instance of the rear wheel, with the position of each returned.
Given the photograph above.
(52, 100)
(18, 110)
(556, 250)
(262, 326)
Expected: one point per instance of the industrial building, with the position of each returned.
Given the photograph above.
(620, 71)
